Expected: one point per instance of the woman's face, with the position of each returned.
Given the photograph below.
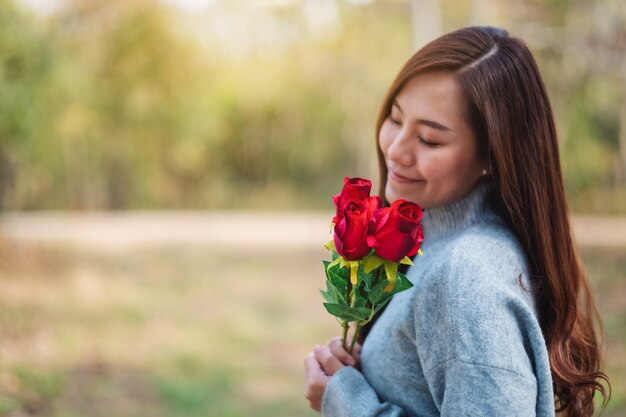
(429, 147)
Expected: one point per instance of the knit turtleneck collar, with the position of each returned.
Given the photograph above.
(445, 220)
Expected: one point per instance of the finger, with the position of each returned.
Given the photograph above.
(329, 362)
(315, 378)
(316, 381)
(340, 353)
(357, 358)
(313, 368)
(355, 349)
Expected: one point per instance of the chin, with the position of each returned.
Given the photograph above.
(391, 195)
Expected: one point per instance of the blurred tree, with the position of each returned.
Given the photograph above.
(115, 104)
(130, 108)
(25, 68)
(593, 64)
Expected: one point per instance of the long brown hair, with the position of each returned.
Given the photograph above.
(511, 115)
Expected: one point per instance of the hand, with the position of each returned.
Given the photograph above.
(324, 362)
(333, 357)
(315, 382)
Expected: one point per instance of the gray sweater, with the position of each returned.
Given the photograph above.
(465, 340)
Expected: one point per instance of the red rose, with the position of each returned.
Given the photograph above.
(357, 222)
(357, 188)
(398, 232)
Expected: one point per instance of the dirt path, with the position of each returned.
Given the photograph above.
(246, 230)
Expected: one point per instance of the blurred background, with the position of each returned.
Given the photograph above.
(166, 170)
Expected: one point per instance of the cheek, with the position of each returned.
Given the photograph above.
(433, 164)
(467, 163)
(445, 164)
(385, 137)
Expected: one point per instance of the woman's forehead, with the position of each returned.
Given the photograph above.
(436, 96)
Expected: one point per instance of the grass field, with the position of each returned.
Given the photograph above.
(189, 330)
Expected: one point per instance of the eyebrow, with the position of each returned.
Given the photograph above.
(430, 123)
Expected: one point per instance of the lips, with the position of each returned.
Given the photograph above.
(400, 178)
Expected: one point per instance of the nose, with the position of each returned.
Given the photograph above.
(401, 151)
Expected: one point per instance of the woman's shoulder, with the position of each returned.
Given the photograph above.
(488, 255)
(480, 297)
(486, 245)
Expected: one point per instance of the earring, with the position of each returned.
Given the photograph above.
(484, 172)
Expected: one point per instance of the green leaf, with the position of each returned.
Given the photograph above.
(338, 276)
(366, 278)
(360, 296)
(339, 294)
(336, 282)
(378, 293)
(379, 275)
(378, 307)
(328, 297)
(402, 283)
(348, 313)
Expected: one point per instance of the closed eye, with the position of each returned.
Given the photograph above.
(427, 143)
(395, 122)
(421, 139)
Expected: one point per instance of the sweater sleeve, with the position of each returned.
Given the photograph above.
(348, 394)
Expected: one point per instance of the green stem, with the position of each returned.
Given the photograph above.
(349, 293)
(356, 335)
(345, 326)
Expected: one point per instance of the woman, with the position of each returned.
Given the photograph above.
(500, 321)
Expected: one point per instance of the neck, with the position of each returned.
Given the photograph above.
(445, 220)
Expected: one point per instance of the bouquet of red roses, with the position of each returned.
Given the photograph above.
(369, 242)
